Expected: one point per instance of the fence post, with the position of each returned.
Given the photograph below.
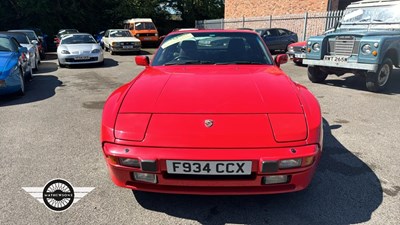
(305, 26)
(222, 24)
(243, 22)
(270, 21)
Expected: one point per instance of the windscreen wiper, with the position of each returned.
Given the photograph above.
(240, 62)
(188, 62)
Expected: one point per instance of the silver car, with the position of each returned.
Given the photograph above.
(33, 39)
(80, 48)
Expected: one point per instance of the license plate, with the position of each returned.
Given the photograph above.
(127, 46)
(336, 58)
(209, 167)
(82, 58)
(147, 38)
(300, 55)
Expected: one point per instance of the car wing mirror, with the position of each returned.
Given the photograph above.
(142, 60)
(281, 59)
(34, 42)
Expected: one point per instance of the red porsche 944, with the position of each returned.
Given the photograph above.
(212, 114)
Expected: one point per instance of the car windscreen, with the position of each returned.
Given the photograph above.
(22, 39)
(381, 14)
(77, 39)
(120, 33)
(144, 26)
(212, 48)
(5, 45)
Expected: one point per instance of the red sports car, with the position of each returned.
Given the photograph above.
(212, 114)
(297, 52)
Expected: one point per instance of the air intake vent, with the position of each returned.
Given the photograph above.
(344, 45)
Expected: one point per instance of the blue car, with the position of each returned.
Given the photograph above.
(13, 63)
(277, 39)
(99, 38)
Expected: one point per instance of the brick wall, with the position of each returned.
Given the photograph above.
(260, 8)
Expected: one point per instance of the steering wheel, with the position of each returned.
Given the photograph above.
(181, 57)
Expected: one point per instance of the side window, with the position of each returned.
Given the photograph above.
(107, 33)
(282, 32)
(273, 33)
(14, 44)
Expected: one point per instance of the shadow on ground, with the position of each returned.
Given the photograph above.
(358, 82)
(344, 190)
(40, 88)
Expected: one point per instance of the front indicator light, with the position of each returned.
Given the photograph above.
(290, 163)
(129, 162)
(374, 53)
(308, 50)
(308, 160)
(112, 159)
(276, 179)
(145, 177)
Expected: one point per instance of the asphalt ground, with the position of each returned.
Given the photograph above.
(53, 132)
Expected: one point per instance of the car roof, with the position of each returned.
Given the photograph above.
(214, 31)
(75, 34)
(119, 29)
(12, 33)
(5, 36)
(21, 31)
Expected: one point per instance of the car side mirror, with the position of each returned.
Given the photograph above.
(281, 59)
(142, 60)
(34, 42)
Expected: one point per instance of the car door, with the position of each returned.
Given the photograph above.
(271, 38)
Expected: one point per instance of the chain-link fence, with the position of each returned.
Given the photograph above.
(305, 25)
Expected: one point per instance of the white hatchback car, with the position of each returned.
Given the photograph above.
(80, 48)
(120, 40)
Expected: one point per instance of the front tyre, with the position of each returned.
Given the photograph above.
(60, 64)
(377, 81)
(316, 75)
(21, 90)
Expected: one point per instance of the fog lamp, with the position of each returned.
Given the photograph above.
(276, 179)
(129, 162)
(289, 163)
(146, 177)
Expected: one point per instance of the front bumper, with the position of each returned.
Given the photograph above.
(347, 65)
(299, 178)
(121, 49)
(10, 84)
(71, 59)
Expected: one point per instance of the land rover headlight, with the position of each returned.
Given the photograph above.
(366, 49)
(316, 47)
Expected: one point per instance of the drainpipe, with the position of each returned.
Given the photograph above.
(329, 5)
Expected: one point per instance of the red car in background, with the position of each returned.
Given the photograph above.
(212, 114)
(297, 52)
